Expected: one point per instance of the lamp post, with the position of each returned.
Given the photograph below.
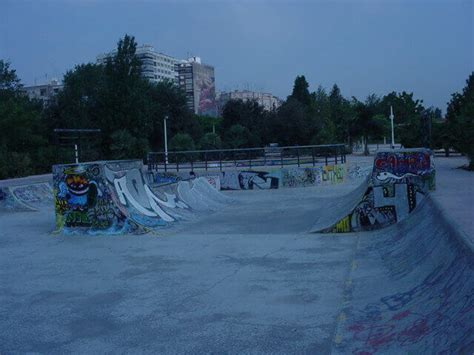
(166, 140)
(393, 134)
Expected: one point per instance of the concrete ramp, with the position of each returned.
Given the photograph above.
(113, 197)
(410, 289)
(399, 181)
(30, 197)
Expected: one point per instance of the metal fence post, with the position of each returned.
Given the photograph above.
(298, 156)
(205, 159)
(220, 160)
(312, 155)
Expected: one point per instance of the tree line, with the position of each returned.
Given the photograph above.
(129, 111)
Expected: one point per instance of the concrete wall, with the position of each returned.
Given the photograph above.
(262, 178)
(113, 198)
(399, 180)
(83, 200)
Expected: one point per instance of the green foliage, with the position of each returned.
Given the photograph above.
(209, 124)
(125, 145)
(9, 81)
(408, 112)
(116, 99)
(460, 120)
(248, 115)
(300, 91)
(237, 136)
(210, 141)
(367, 123)
(181, 142)
(22, 137)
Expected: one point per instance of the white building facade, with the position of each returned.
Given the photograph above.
(44, 92)
(156, 66)
(264, 99)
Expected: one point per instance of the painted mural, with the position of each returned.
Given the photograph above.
(399, 179)
(273, 178)
(83, 200)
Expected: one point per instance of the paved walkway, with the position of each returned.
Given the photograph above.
(455, 192)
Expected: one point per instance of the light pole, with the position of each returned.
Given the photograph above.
(393, 134)
(166, 140)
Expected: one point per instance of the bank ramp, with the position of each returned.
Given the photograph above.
(112, 197)
(26, 197)
(400, 180)
(410, 289)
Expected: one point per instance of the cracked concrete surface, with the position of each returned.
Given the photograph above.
(247, 278)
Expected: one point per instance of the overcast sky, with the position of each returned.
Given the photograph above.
(364, 46)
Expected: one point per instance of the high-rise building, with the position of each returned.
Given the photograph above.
(156, 66)
(44, 92)
(198, 82)
(264, 99)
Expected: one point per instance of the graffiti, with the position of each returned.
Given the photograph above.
(333, 173)
(132, 191)
(398, 182)
(402, 162)
(344, 225)
(295, 177)
(435, 313)
(82, 199)
(248, 180)
(165, 178)
(214, 181)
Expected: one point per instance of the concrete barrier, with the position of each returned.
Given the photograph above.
(112, 197)
(399, 180)
(262, 177)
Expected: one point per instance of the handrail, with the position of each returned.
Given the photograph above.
(250, 157)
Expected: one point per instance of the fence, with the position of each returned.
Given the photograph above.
(248, 157)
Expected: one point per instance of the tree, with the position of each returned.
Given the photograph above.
(300, 91)
(460, 118)
(292, 124)
(125, 145)
(248, 114)
(367, 123)
(181, 142)
(237, 136)
(22, 136)
(210, 141)
(116, 99)
(408, 112)
(9, 81)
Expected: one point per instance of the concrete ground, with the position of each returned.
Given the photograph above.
(248, 278)
(455, 192)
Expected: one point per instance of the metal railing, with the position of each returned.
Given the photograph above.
(247, 158)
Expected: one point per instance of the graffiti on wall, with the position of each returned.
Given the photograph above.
(139, 201)
(94, 196)
(399, 179)
(295, 177)
(248, 180)
(434, 313)
(333, 174)
(83, 199)
(410, 167)
(263, 179)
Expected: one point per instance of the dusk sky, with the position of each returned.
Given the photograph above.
(426, 47)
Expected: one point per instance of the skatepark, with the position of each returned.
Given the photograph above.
(270, 268)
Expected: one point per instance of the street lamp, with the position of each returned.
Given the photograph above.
(393, 134)
(166, 140)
